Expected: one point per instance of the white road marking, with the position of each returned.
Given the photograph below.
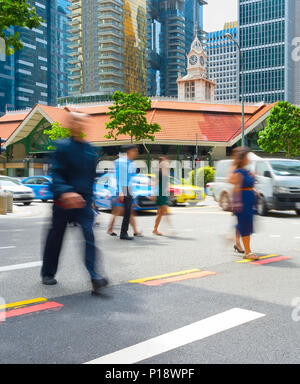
(20, 266)
(12, 230)
(275, 235)
(297, 237)
(182, 336)
(9, 247)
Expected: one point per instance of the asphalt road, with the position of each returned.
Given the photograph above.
(200, 311)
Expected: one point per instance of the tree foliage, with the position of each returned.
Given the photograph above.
(204, 175)
(16, 13)
(57, 132)
(282, 132)
(128, 117)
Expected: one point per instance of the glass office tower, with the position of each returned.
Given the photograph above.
(172, 25)
(223, 62)
(267, 31)
(108, 46)
(38, 72)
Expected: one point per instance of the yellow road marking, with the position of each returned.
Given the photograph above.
(163, 276)
(20, 303)
(262, 257)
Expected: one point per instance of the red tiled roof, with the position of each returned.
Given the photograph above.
(180, 122)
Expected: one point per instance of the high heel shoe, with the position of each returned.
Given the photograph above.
(236, 249)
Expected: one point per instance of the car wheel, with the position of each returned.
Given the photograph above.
(297, 212)
(262, 209)
(44, 200)
(225, 202)
(28, 203)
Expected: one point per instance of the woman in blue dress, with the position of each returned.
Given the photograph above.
(244, 197)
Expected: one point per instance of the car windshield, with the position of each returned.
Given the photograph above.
(9, 182)
(286, 168)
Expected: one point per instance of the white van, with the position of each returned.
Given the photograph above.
(277, 181)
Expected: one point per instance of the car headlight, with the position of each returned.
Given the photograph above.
(281, 190)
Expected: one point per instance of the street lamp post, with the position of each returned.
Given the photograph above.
(229, 36)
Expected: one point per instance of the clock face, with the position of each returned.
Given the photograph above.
(193, 59)
(202, 61)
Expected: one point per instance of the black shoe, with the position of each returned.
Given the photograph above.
(126, 237)
(98, 284)
(236, 249)
(46, 280)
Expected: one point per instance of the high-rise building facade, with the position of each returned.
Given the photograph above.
(32, 74)
(223, 62)
(172, 25)
(267, 30)
(108, 46)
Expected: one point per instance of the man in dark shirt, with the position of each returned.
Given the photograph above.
(73, 173)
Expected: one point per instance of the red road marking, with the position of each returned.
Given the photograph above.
(194, 275)
(271, 260)
(31, 309)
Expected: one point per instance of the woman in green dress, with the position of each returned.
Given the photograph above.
(162, 195)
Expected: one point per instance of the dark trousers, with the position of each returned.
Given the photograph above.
(61, 217)
(127, 213)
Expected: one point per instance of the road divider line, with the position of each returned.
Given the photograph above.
(249, 260)
(138, 281)
(8, 247)
(20, 266)
(175, 279)
(21, 303)
(180, 337)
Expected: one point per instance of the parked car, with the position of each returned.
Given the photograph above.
(21, 193)
(105, 189)
(222, 190)
(277, 181)
(184, 193)
(41, 186)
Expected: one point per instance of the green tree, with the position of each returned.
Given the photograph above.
(57, 132)
(16, 13)
(282, 132)
(204, 175)
(128, 117)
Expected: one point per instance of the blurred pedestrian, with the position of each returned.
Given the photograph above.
(244, 197)
(162, 193)
(125, 170)
(73, 174)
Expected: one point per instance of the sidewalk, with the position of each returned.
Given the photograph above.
(35, 209)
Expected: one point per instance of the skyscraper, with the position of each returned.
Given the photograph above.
(223, 62)
(267, 30)
(108, 46)
(32, 74)
(172, 25)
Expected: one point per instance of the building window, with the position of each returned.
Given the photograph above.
(190, 90)
(207, 91)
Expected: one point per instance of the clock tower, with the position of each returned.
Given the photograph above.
(195, 86)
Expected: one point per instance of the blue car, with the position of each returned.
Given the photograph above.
(41, 186)
(105, 189)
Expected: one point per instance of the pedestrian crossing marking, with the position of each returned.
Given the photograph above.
(272, 260)
(139, 281)
(32, 309)
(22, 303)
(177, 338)
(174, 279)
(24, 307)
(251, 260)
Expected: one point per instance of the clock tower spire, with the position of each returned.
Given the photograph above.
(195, 86)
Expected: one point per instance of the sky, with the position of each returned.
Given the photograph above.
(217, 12)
